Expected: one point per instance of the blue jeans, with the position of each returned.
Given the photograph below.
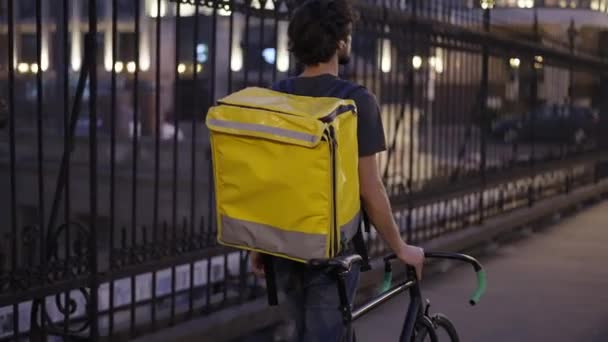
(313, 300)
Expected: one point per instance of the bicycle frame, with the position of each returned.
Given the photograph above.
(415, 308)
(413, 312)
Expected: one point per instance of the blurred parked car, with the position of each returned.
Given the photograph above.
(555, 123)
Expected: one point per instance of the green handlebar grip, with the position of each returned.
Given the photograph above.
(482, 283)
(387, 282)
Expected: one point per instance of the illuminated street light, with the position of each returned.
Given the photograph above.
(118, 66)
(23, 68)
(514, 63)
(417, 62)
(131, 67)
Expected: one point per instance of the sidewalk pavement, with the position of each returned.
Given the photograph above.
(551, 286)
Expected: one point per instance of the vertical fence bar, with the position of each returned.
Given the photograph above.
(422, 134)
(157, 127)
(40, 140)
(446, 98)
(485, 65)
(397, 105)
(40, 155)
(246, 63)
(212, 89)
(66, 144)
(13, 160)
(433, 121)
(134, 166)
(175, 153)
(456, 133)
(260, 58)
(385, 106)
(453, 58)
(402, 72)
(92, 67)
(412, 82)
(387, 81)
(402, 59)
(113, 109)
(229, 71)
(195, 72)
(533, 109)
(426, 110)
(276, 12)
(443, 96)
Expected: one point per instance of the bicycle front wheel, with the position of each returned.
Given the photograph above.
(424, 331)
(442, 331)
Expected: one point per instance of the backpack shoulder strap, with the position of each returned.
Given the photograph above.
(284, 86)
(346, 89)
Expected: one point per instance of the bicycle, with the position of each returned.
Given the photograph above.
(419, 325)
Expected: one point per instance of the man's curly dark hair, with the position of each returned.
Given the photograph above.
(316, 28)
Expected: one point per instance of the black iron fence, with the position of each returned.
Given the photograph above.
(105, 197)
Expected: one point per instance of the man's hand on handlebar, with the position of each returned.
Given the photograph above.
(413, 256)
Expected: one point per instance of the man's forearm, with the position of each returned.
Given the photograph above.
(377, 206)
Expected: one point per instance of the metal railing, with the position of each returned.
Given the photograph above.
(105, 197)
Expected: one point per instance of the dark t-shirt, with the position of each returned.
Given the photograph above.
(370, 133)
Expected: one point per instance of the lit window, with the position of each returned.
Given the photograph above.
(269, 5)
(202, 53)
(156, 8)
(486, 4)
(186, 10)
(269, 55)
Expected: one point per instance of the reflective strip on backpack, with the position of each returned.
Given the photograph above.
(272, 239)
(281, 132)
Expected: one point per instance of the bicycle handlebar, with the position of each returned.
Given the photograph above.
(481, 287)
(481, 274)
(345, 263)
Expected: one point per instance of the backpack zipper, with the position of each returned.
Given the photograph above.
(253, 107)
(334, 223)
(338, 111)
(326, 119)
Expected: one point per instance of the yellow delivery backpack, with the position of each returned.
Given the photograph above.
(285, 172)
